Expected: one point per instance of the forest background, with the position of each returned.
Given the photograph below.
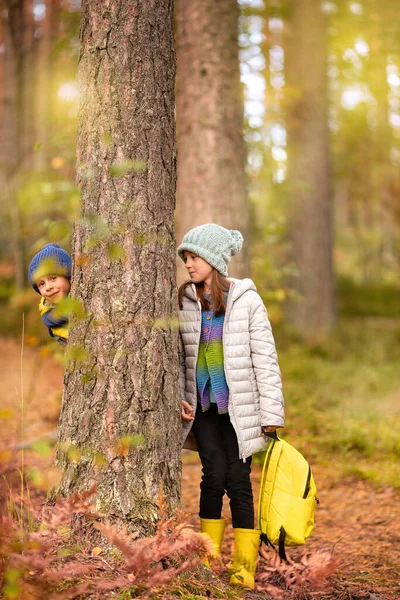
(330, 108)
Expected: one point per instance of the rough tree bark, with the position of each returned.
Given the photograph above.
(309, 170)
(120, 420)
(209, 107)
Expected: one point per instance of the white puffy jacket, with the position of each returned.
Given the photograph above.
(250, 362)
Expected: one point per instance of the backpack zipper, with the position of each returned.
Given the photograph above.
(308, 483)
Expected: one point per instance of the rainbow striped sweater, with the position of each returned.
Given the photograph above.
(210, 375)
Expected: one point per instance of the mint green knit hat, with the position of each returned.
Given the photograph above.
(213, 243)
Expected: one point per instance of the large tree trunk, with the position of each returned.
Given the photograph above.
(309, 170)
(209, 105)
(121, 407)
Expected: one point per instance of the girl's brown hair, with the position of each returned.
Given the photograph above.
(219, 286)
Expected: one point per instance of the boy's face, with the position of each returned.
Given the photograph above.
(53, 287)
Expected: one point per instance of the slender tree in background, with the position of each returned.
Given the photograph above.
(44, 66)
(16, 43)
(364, 51)
(209, 105)
(121, 406)
(366, 143)
(310, 222)
(25, 122)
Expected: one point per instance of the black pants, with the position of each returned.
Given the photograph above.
(223, 470)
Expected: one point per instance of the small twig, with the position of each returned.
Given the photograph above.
(50, 437)
(106, 563)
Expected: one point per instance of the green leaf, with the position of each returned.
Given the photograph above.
(35, 476)
(58, 230)
(87, 377)
(70, 306)
(123, 167)
(99, 459)
(78, 353)
(85, 172)
(166, 323)
(6, 413)
(136, 440)
(42, 447)
(47, 267)
(11, 588)
(116, 252)
(65, 552)
(106, 140)
(74, 453)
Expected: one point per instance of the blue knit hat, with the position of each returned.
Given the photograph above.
(51, 260)
(214, 244)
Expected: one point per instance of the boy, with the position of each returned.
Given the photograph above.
(50, 276)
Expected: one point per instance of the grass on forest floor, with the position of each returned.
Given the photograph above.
(365, 299)
(343, 399)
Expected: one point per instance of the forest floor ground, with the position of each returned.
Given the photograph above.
(358, 522)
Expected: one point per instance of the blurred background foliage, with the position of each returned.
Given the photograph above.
(39, 105)
(364, 122)
(343, 393)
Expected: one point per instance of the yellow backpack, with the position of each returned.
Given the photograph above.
(287, 500)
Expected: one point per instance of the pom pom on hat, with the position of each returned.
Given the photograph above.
(51, 260)
(238, 240)
(214, 244)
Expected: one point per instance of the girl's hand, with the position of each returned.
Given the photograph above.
(269, 430)
(187, 411)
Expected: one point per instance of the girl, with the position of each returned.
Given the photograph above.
(230, 385)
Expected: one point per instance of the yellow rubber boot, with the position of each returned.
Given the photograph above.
(215, 529)
(244, 563)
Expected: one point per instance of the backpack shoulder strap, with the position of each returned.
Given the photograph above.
(281, 546)
(281, 552)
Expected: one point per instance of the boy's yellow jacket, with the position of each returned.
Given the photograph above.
(58, 331)
(287, 499)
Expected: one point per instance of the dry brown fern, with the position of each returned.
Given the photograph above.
(296, 580)
(34, 565)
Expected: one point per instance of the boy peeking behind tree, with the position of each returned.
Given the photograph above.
(49, 274)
